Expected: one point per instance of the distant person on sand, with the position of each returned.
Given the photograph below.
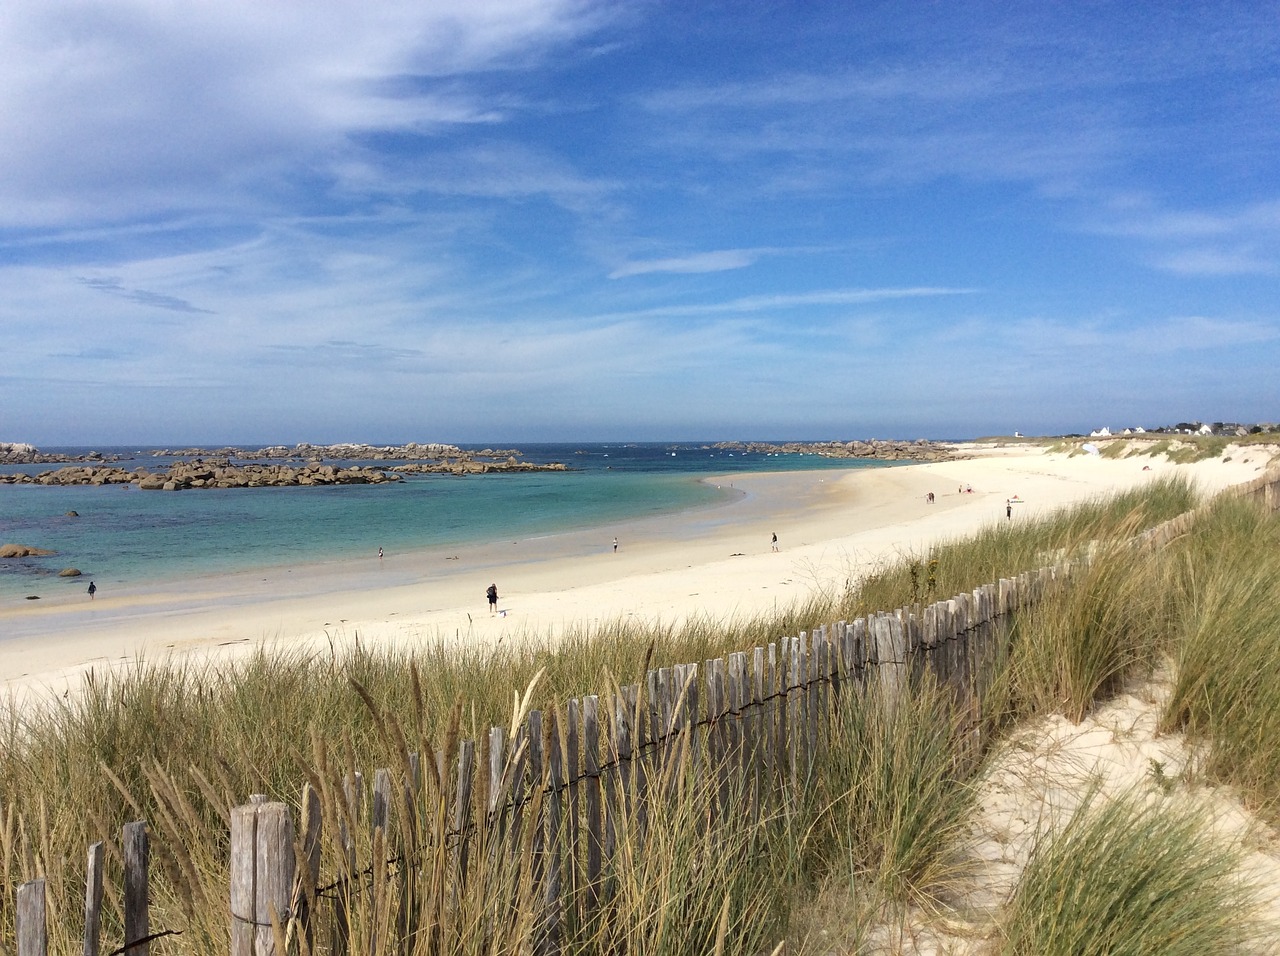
(615, 545)
(1008, 509)
(492, 594)
(379, 554)
(774, 543)
(93, 589)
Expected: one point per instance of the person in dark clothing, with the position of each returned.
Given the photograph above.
(492, 594)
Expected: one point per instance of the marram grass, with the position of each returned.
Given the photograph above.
(1131, 876)
(895, 792)
(1226, 691)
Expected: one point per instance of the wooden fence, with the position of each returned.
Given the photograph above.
(560, 788)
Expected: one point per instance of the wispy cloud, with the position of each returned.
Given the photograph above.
(334, 352)
(784, 301)
(155, 300)
(1220, 262)
(113, 109)
(1239, 240)
(721, 260)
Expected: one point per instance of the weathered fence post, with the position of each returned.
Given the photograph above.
(93, 901)
(758, 730)
(537, 781)
(591, 774)
(262, 878)
(548, 940)
(33, 932)
(137, 861)
(462, 816)
(312, 826)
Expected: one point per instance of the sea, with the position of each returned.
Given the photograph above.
(122, 536)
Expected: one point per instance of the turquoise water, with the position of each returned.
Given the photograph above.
(124, 536)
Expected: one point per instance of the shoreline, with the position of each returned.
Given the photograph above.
(713, 561)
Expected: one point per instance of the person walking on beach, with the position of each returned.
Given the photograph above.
(1008, 509)
(379, 554)
(615, 545)
(492, 594)
(774, 543)
(93, 589)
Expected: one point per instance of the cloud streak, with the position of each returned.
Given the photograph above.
(155, 300)
(722, 260)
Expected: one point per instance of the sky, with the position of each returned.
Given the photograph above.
(568, 220)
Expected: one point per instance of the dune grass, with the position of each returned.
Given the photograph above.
(1127, 877)
(1007, 548)
(1227, 687)
(895, 795)
(1093, 631)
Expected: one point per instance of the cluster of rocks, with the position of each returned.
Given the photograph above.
(184, 475)
(347, 451)
(889, 450)
(222, 473)
(13, 550)
(20, 453)
(469, 466)
(23, 551)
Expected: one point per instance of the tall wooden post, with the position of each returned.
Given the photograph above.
(262, 878)
(137, 861)
(33, 933)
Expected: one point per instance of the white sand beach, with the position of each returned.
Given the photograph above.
(716, 562)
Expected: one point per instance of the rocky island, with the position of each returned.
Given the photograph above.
(274, 467)
(20, 453)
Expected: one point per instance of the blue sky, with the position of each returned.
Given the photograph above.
(524, 220)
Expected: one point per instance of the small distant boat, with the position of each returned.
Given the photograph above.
(673, 454)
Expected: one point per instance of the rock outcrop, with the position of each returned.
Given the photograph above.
(185, 475)
(344, 451)
(23, 551)
(469, 466)
(20, 453)
(220, 471)
(919, 450)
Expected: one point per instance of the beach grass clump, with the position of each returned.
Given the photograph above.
(1129, 876)
(1226, 690)
(894, 794)
(1005, 548)
(1195, 448)
(696, 874)
(1093, 630)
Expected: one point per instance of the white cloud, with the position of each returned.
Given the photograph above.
(1218, 262)
(130, 107)
(783, 301)
(1142, 218)
(721, 260)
